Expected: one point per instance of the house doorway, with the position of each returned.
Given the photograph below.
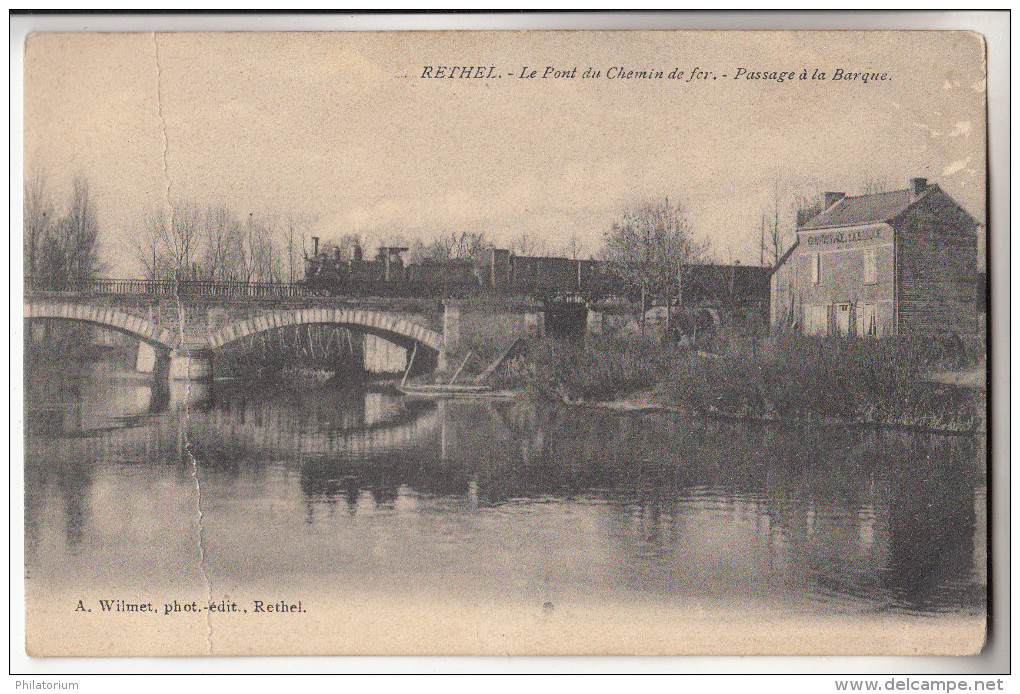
(842, 319)
(867, 320)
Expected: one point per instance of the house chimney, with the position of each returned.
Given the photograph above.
(832, 198)
(315, 247)
(917, 187)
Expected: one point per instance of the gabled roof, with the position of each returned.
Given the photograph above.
(784, 257)
(865, 209)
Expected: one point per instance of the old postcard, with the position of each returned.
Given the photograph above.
(535, 342)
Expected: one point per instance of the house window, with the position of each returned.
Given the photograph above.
(816, 320)
(870, 266)
(816, 267)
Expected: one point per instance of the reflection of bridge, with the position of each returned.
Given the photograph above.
(399, 431)
(184, 322)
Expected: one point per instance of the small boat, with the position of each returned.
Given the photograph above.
(476, 389)
(455, 390)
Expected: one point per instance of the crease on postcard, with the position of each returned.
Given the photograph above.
(181, 317)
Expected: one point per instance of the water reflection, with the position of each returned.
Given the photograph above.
(495, 499)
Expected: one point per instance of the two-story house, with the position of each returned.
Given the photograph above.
(893, 263)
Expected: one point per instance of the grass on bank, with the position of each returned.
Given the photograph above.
(796, 377)
(779, 377)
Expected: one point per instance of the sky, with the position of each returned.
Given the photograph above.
(340, 132)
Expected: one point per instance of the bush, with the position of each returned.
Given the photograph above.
(597, 368)
(789, 376)
(783, 376)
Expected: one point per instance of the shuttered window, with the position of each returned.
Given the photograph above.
(816, 320)
(870, 266)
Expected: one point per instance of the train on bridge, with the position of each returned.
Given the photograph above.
(331, 270)
(492, 270)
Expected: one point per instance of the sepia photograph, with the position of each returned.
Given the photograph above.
(355, 343)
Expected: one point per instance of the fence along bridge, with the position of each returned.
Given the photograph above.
(184, 321)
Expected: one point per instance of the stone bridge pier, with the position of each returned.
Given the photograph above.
(189, 364)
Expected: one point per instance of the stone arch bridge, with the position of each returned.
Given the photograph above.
(183, 328)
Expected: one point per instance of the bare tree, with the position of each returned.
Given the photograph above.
(418, 252)
(440, 248)
(348, 242)
(294, 235)
(653, 244)
(145, 246)
(468, 244)
(81, 232)
(289, 235)
(772, 237)
(259, 261)
(462, 245)
(213, 243)
(168, 248)
(59, 251)
(528, 244)
(808, 204)
(575, 247)
(39, 219)
(653, 247)
(219, 231)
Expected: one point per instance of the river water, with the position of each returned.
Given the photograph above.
(316, 492)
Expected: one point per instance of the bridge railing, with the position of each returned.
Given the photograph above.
(268, 290)
(361, 289)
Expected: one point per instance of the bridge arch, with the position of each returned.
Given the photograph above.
(137, 327)
(393, 328)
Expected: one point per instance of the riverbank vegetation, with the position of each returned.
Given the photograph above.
(794, 377)
(785, 377)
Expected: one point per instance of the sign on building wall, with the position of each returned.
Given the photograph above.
(841, 236)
